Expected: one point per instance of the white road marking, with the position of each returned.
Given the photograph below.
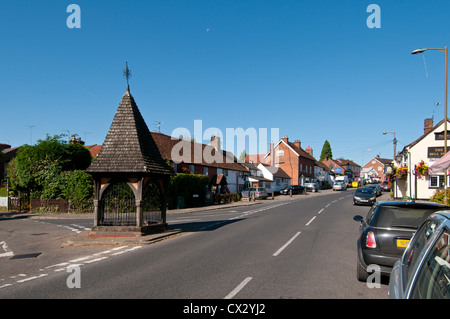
(31, 278)
(7, 252)
(238, 288)
(310, 221)
(285, 245)
(320, 210)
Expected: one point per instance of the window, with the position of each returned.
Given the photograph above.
(413, 250)
(191, 168)
(436, 181)
(205, 170)
(433, 280)
(225, 172)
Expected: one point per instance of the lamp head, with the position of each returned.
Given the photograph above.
(418, 51)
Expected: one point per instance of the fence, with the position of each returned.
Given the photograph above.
(60, 206)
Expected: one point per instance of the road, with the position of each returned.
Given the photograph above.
(278, 249)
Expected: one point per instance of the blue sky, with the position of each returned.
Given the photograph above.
(312, 69)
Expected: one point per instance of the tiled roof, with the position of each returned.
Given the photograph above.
(167, 144)
(129, 147)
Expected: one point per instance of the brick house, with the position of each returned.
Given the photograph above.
(375, 168)
(344, 167)
(292, 159)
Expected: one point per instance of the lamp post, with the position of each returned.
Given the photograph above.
(445, 50)
(395, 142)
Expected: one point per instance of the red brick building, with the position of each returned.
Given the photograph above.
(291, 158)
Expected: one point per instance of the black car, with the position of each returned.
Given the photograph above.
(364, 196)
(296, 189)
(376, 187)
(311, 187)
(386, 232)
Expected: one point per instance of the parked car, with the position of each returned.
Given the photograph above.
(378, 190)
(364, 196)
(385, 186)
(386, 231)
(296, 189)
(311, 187)
(339, 186)
(258, 192)
(423, 272)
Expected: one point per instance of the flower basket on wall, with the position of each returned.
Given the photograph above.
(402, 172)
(421, 169)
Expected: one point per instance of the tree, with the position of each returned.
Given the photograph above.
(38, 168)
(326, 151)
(243, 156)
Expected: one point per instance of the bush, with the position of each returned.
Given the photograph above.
(438, 197)
(187, 185)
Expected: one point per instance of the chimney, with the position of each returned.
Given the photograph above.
(428, 126)
(285, 138)
(215, 142)
(309, 150)
(298, 143)
(272, 154)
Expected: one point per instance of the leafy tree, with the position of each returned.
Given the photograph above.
(326, 151)
(243, 156)
(78, 186)
(38, 168)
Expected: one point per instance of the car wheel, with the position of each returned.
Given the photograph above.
(361, 273)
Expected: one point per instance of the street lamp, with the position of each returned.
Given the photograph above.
(445, 50)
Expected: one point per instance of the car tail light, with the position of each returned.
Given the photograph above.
(370, 240)
(257, 193)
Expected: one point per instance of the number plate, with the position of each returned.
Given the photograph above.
(402, 242)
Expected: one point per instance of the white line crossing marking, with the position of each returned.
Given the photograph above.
(238, 288)
(285, 245)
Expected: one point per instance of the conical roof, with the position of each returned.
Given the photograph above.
(129, 147)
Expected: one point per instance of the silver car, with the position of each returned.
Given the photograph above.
(257, 192)
(339, 186)
(423, 272)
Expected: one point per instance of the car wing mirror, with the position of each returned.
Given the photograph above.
(358, 218)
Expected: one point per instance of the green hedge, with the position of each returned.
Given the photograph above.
(187, 185)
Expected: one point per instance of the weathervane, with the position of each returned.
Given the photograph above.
(127, 75)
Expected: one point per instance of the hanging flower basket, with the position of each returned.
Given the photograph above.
(421, 169)
(402, 172)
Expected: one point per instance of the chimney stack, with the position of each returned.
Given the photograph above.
(298, 143)
(309, 150)
(428, 126)
(215, 142)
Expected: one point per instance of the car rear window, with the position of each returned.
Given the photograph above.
(403, 217)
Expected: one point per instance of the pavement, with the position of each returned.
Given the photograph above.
(86, 238)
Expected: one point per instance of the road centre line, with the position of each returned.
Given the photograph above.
(310, 221)
(285, 245)
(320, 210)
(238, 288)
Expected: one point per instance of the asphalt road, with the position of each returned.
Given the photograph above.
(280, 249)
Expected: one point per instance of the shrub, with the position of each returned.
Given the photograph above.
(438, 197)
(187, 185)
